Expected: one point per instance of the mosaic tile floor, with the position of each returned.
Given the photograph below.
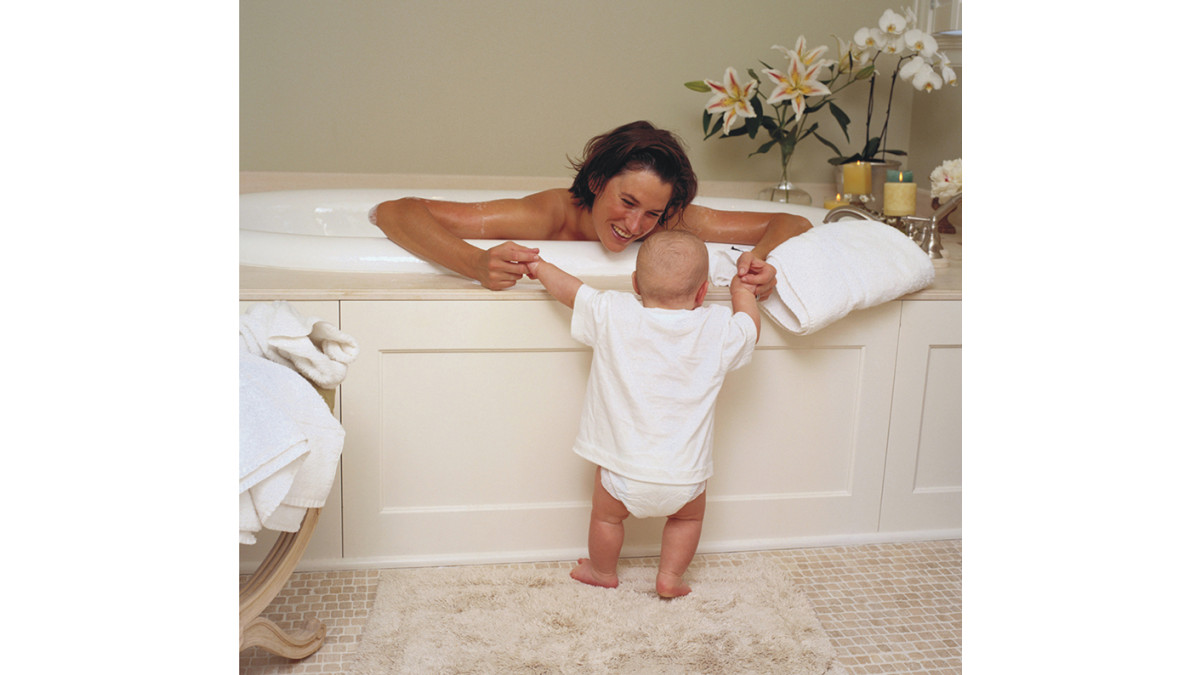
(888, 608)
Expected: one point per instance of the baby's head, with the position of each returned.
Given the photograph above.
(672, 270)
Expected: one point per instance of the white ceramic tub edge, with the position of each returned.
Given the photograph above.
(329, 230)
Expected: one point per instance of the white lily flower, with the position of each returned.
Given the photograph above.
(809, 58)
(892, 23)
(844, 57)
(921, 42)
(732, 99)
(799, 81)
(926, 79)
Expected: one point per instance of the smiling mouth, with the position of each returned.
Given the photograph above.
(622, 234)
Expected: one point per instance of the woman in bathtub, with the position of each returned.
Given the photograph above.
(631, 180)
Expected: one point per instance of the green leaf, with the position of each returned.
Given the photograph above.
(707, 121)
(698, 85)
(763, 149)
(751, 125)
(865, 72)
(871, 148)
(830, 145)
(842, 118)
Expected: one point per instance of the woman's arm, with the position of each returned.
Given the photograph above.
(436, 230)
(764, 231)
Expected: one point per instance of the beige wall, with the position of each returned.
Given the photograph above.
(472, 87)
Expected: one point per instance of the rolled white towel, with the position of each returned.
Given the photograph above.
(314, 348)
(832, 270)
(836, 268)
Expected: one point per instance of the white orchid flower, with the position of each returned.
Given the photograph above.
(910, 15)
(925, 79)
(892, 23)
(894, 45)
(799, 81)
(867, 37)
(948, 75)
(732, 99)
(921, 42)
(910, 68)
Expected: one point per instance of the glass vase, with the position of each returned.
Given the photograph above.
(785, 191)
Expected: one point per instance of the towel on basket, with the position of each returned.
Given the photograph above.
(312, 347)
(834, 269)
(290, 446)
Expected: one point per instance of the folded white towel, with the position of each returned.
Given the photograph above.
(290, 446)
(314, 348)
(834, 269)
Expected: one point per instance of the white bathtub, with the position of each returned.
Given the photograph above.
(328, 230)
(462, 406)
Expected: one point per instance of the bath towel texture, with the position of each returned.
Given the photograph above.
(290, 446)
(314, 348)
(834, 269)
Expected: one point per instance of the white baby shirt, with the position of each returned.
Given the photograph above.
(652, 390)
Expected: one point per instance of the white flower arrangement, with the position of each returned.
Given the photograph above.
(946, 180)
(918, 62)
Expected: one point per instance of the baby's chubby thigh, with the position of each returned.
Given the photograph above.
(650, 500)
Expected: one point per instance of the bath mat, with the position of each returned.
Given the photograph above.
(747, 618)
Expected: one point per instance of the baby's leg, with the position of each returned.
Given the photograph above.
(681, 536)
(606, 533)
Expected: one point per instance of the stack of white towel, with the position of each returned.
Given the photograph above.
(290, 442)
(834, 269)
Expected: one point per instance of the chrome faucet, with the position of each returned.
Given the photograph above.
(849, 210)
(923, 231)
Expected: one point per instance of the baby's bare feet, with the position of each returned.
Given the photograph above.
(585, 573)
(671, 586)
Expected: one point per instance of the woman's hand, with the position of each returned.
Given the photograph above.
(502, 266)
(757, 273)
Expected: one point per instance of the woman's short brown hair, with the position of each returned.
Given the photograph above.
(636, 146)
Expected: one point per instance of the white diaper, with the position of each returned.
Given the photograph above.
(648, 500)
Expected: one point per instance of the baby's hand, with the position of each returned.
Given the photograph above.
(736, 284)
(533, 266)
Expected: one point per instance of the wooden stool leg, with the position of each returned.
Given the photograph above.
(267, 634)
(262, 587)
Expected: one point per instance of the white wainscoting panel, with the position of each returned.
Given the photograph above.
(460, 416)
(923, 489)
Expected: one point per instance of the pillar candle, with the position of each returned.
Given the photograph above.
(856, 178)
(835, 202)
(899, 194)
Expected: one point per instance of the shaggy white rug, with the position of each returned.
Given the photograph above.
(748, 618)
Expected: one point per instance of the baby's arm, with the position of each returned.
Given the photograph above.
(743, 300)
(561, 285)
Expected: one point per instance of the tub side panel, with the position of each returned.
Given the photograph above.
(460, 416)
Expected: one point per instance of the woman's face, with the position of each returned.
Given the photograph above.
(629, 207)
